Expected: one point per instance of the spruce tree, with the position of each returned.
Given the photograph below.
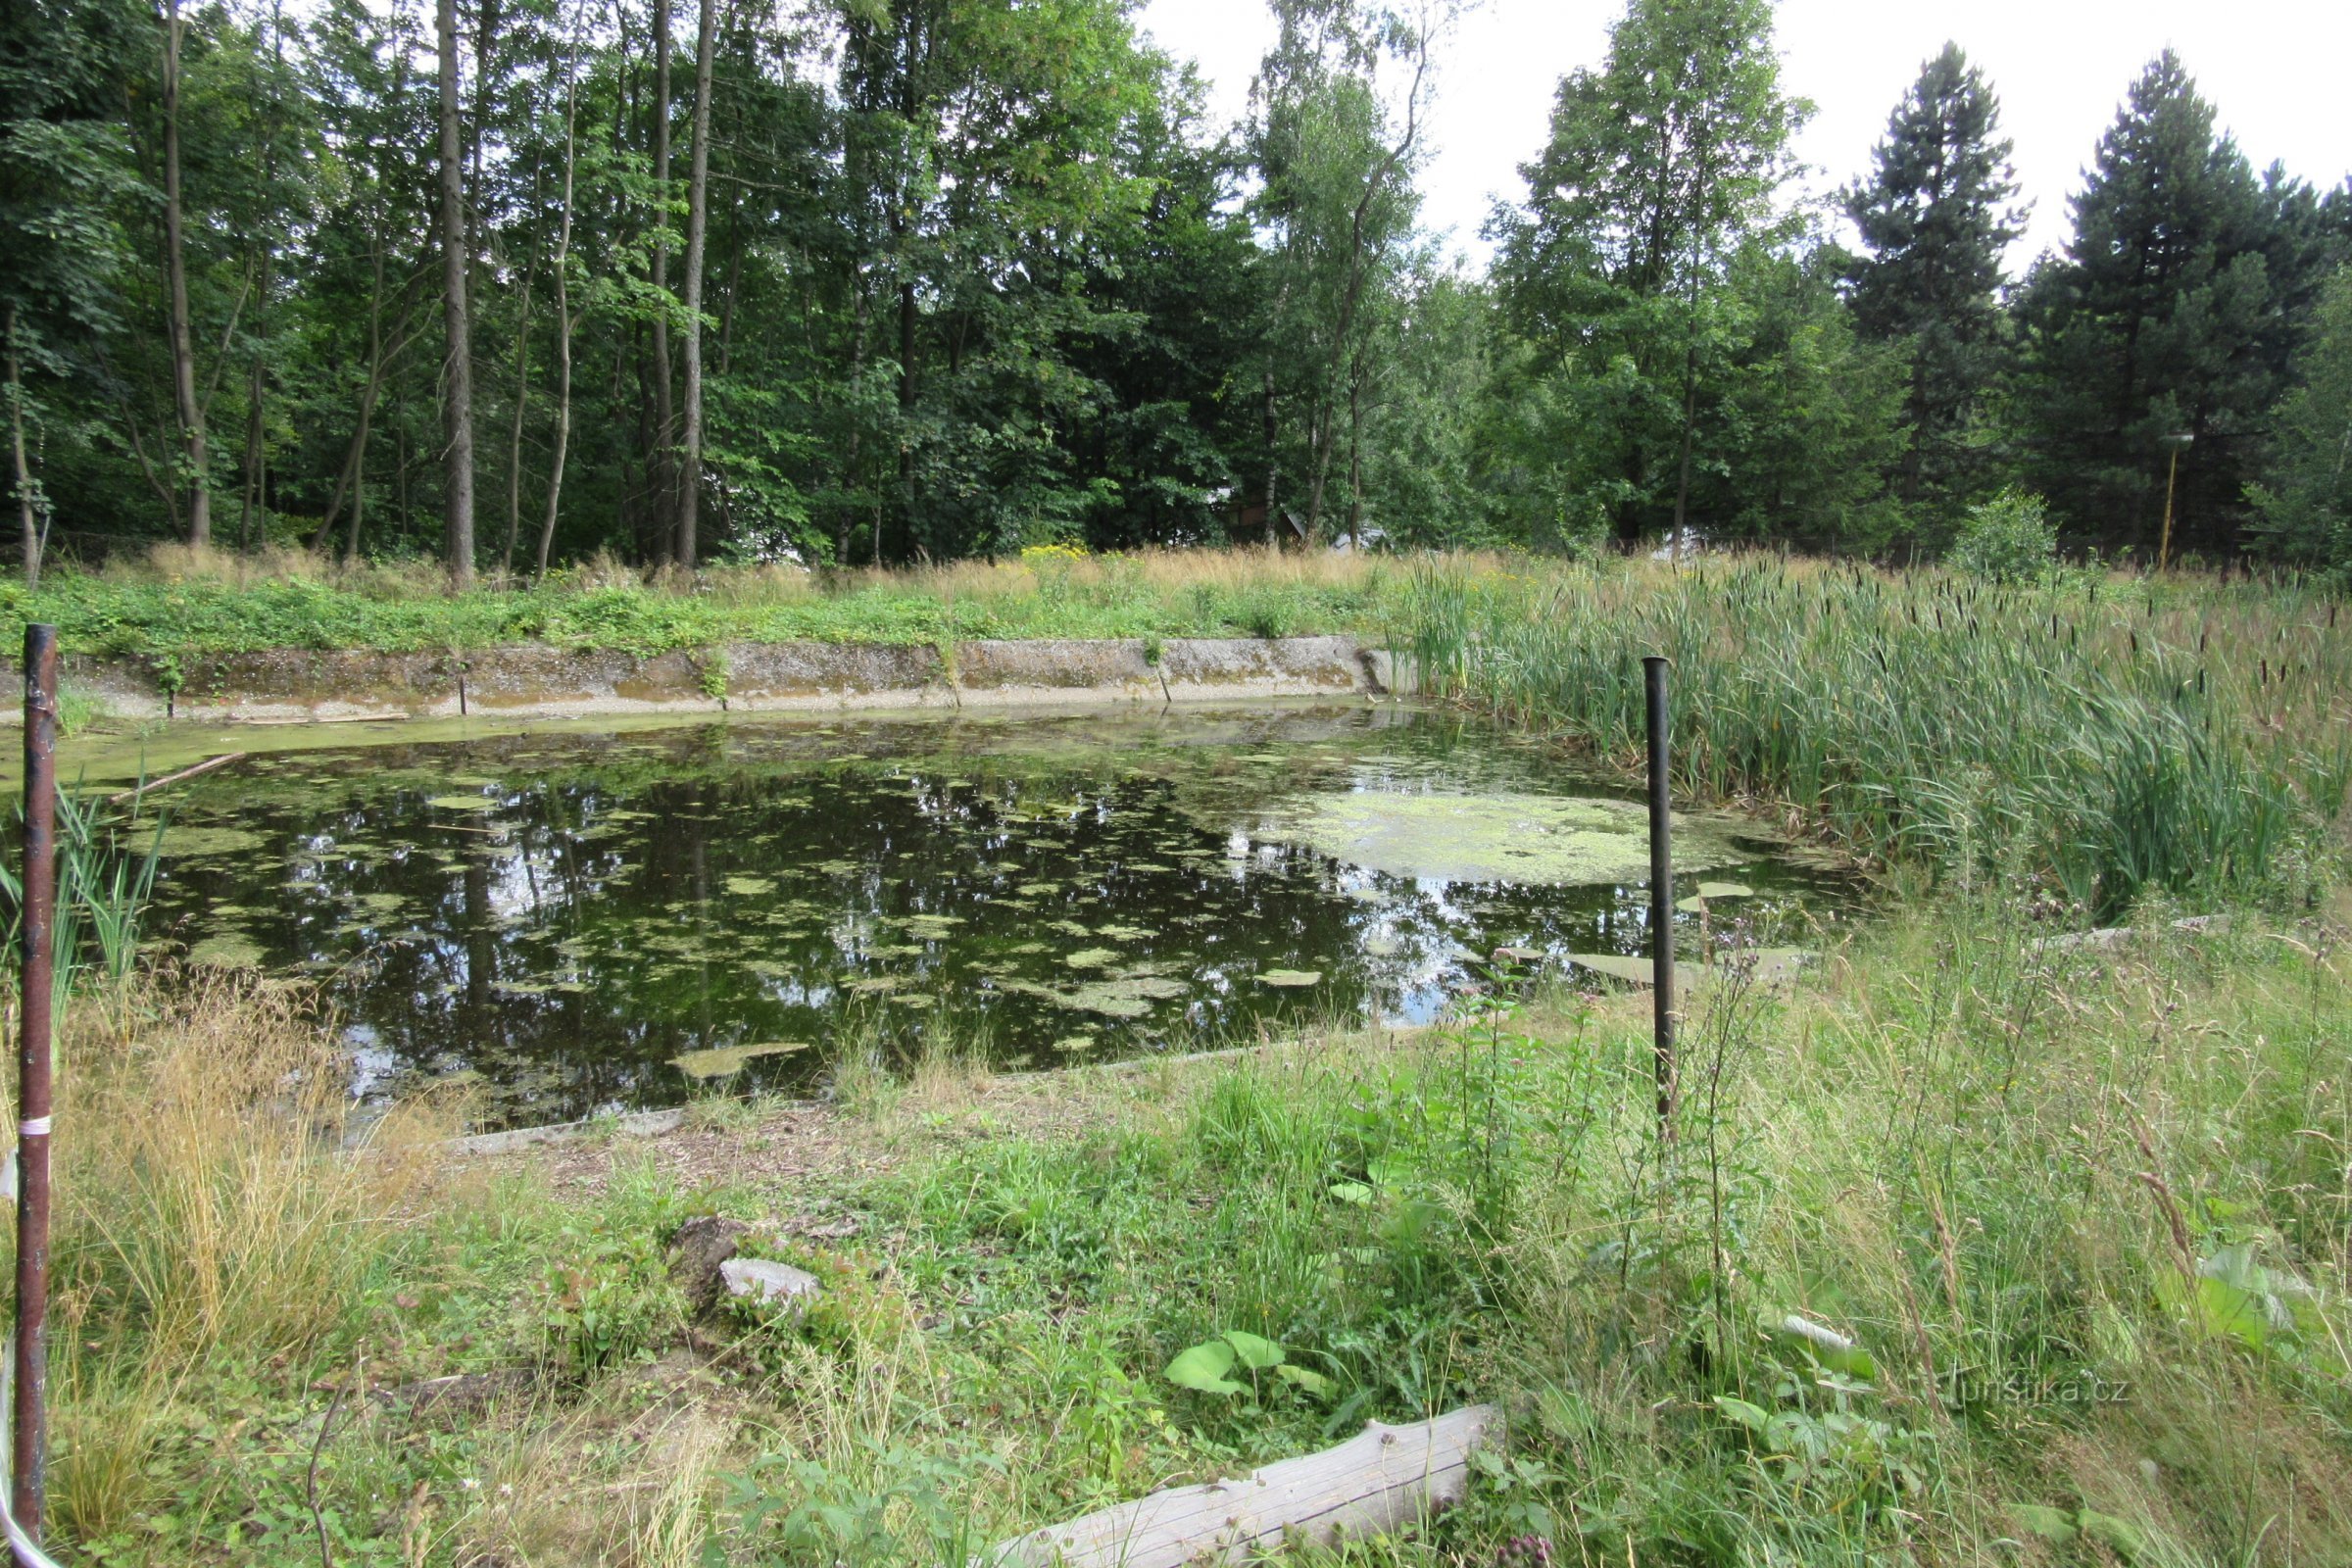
(2153, 326)
(2303, 509)
(1935, 215)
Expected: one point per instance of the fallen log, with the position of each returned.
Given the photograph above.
(1382, 1479)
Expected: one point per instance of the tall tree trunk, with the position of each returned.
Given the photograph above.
(522, 398)
(458, 460)
(860, 315)
(176, 268)
(27, 513)
(906, 425)
(1355, 462)
(562, 267)
(697, 224)
(1682, 484)
(352, 473)
(359, 489)
(658, 461)
(1273, 463)
(253, 459)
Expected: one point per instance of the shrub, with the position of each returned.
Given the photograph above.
(2008, 539)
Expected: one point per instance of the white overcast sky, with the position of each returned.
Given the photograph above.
(2273, 68)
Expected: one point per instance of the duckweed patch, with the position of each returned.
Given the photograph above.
(1533, 839)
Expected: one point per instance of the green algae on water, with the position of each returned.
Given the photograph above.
(1539, 839)
(227, 950)
(196, 843)
(725, 1062)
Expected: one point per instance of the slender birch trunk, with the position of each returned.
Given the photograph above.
(562, 267)
(27, 517)
(175, 270)
(458, 459)
(697, 224)
(658, 457)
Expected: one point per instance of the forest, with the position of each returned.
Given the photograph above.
(853, 282)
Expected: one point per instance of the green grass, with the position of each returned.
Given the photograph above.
(2111, 737)
(2082, 1213)
(187, 605)
(2079, 1215)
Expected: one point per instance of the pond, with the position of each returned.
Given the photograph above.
(584, 919)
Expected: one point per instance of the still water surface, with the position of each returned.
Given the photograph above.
(583, 921)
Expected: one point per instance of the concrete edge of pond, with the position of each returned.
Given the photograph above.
(293, 686)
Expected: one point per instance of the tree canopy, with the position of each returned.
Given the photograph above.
(518, 281)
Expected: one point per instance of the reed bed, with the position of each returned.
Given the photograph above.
(2110, 736)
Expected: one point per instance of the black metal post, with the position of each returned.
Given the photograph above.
(29, 1450)
(1661, 891)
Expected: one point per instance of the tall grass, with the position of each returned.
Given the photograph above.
(2193, 737)
(2077, 1216)
(208, 1214)
(178, 603)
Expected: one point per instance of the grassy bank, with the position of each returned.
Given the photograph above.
(2109, 736)
(2082, 1213)
(179, 602)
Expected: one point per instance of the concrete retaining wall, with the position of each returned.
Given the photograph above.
(293, 685)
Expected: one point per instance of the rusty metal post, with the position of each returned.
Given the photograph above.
(1661, 891)
(29, 1450)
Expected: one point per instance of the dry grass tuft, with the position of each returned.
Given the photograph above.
(206, 1207)
(210, 1202)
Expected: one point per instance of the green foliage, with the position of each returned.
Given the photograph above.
(607, 1296)
(711, 674)
(2009, 539)
(2304, 510)
(1684, 362)
(1210, 1367)
(1934, 215)
(2116, 742)
(174, 624)
(2172, 313)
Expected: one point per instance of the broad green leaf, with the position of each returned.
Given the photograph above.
(1311, 1382)
(1253, 1352)
(1204, 1367)
(1754, 1417)
(1355, 1193)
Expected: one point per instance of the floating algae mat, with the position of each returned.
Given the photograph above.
(1551, 840)
(580, 919)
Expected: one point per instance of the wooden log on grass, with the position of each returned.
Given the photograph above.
(1382, 1479)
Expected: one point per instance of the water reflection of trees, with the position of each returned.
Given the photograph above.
(597, 922)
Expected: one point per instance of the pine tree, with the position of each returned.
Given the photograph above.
(2153, 327)
(2304, 507)
(1935, 215)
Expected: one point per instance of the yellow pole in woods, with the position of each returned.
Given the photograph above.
(2164, 546)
